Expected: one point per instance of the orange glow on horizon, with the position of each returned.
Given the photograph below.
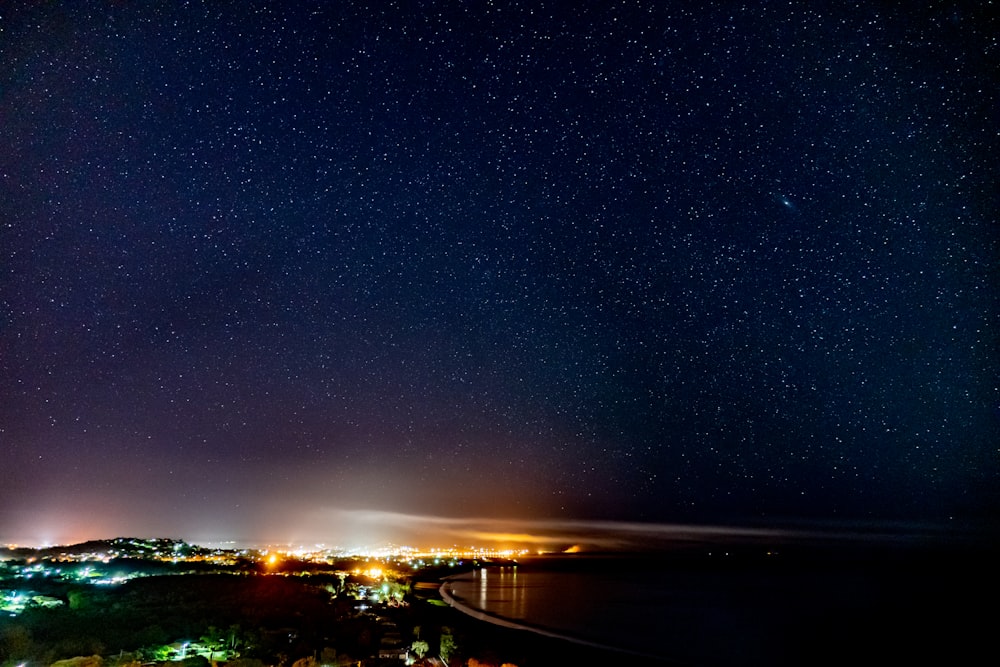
(516, 538)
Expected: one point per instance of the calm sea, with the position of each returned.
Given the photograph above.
(766, 613)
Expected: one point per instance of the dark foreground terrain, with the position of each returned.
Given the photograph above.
(890, 606)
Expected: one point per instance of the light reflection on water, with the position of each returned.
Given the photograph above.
(498, 592)
(704, 617)
(599, 607)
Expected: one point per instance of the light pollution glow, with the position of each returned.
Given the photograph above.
(361, 529)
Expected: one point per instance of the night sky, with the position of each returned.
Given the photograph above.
(283, 271)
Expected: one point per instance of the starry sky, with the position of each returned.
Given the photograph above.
(264, 266)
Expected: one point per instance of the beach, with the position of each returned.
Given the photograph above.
(449, 595)
(715, 615)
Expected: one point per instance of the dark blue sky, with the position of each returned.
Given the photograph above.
(644, 262)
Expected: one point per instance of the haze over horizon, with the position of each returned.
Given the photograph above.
(361, 530)
(268, 272)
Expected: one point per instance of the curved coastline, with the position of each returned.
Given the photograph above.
(459, 604)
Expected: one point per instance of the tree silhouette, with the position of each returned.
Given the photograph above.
(448, 647)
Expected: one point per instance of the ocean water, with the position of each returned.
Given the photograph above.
(825, 613)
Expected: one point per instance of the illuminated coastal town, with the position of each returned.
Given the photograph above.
(367, 599)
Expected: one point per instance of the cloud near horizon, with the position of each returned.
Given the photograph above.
(360, 527)
(367, 528)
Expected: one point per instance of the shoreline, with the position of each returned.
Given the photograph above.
(460, 605)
